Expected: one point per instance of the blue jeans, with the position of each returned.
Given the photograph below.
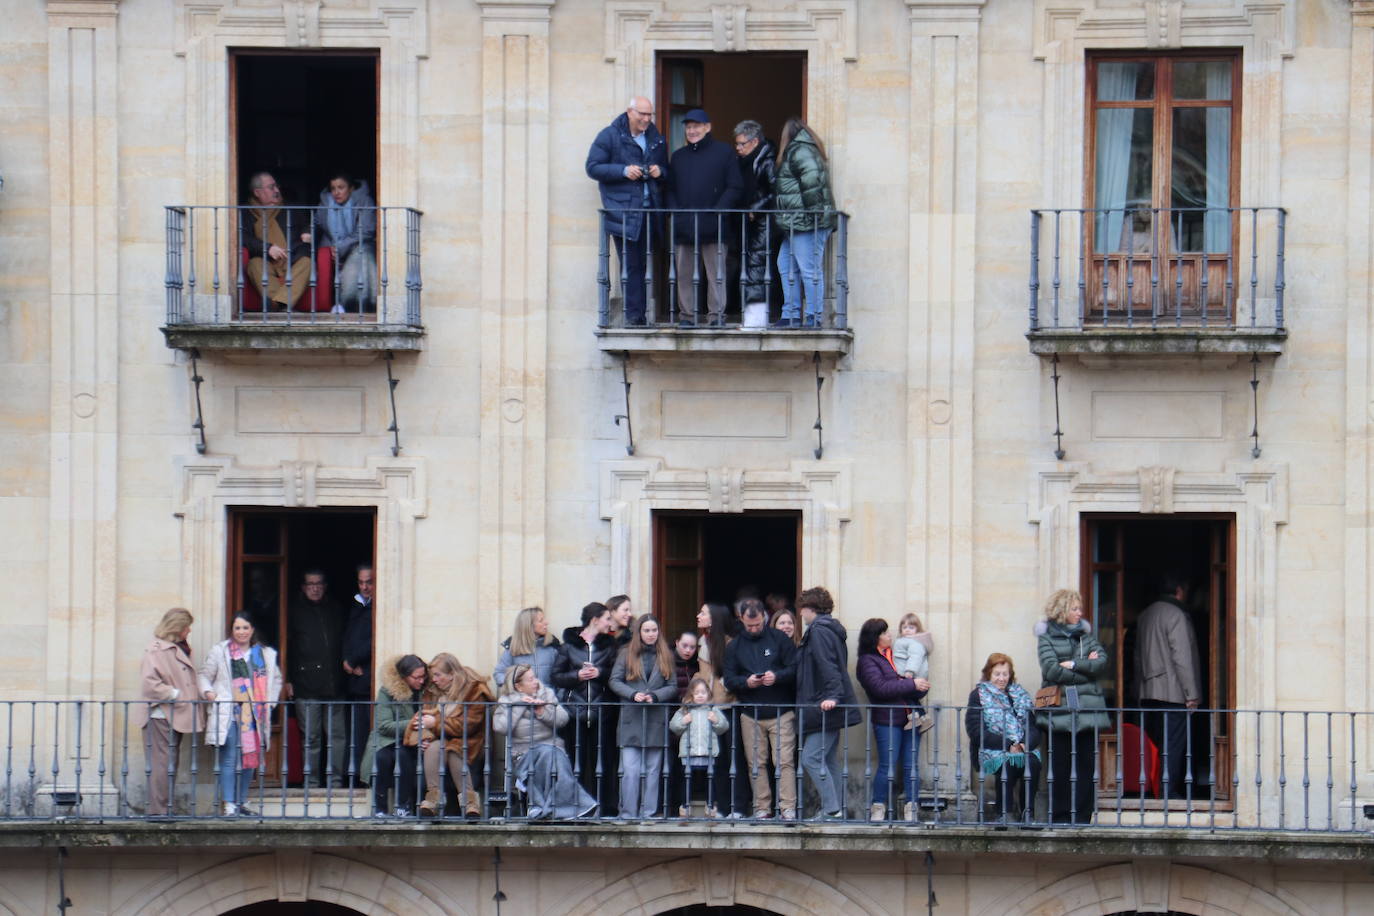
(233, 786)
(801, 263)
(821, 760)
(897, 747)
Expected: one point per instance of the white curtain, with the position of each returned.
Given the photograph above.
(1216, 228)
(1115, 83)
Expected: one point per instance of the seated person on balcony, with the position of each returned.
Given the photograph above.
(629, 160)
(1003, 738)
(263, 227)
(703, 177)
(347, 219)
(530, 716)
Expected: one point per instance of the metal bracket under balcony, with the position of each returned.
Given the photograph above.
(1157, 282)
(228, 288)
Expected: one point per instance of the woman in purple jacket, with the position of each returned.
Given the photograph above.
(891, 697)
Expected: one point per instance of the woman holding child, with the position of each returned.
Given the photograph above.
(892, 698)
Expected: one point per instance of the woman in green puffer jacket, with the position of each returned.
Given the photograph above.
(1073, 660)
(806, 216)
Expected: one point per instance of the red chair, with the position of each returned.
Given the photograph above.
(1132, 744)
(321, 299)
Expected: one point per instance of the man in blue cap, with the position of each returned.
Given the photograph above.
(703, 179)
(629, 159)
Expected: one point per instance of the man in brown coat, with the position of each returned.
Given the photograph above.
(168, 679)
(1167, 666)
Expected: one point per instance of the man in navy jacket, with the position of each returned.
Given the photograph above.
(705, 179)
(629, 160)
(761, 671)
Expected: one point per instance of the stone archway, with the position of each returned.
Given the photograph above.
(289, 876)
(719, 880)
(1147, 887)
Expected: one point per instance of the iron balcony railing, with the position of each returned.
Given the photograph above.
(741, 232)
(1219, 269)
(1242, 770)
(217, 275)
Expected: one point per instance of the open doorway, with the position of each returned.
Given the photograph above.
(270, 551)
(701, 557)
(1124, 557)
(301, 115)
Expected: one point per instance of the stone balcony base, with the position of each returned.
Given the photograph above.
(660, 341)
(298, 337)
(1124, 342)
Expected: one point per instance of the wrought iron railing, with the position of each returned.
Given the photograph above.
(1240, 770)
(218, 274)
(1220, 269)
(675, 298)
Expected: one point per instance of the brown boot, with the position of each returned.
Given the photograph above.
(430, 806)
(472, 805)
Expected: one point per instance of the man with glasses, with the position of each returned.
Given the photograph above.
(705, 180)
(266, 230)
(758, 169)
(629, 160)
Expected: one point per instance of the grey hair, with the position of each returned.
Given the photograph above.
(752, 130)
(256, 181)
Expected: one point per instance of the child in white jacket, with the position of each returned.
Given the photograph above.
(700, 724)
(911, 657)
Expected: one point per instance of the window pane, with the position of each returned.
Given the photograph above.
(1201, 179)
(1202, 79)
(1104, 609)
(1125, 149)
(1104, 542)
(261, 535)
(1125, 81)
(680, 542)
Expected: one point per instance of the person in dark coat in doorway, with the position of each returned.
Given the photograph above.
(357, 665)
(758, 168)
(704, 179)
(629, 160)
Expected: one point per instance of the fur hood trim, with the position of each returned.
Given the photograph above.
(1043, 626)
(390, 679)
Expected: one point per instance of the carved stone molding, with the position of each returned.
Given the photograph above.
(1064, 30)
(632, 489)
(1255, 492)
(828, 30)
(396, 488)
(206, 29)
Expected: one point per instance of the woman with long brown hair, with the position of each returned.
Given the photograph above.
(806, 216)
(452, 725)
(645, 682)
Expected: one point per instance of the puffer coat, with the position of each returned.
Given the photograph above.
(643, 724)
(759, 169)
(623, 199)
(1057, 643)
(803, 184)
(396, 705)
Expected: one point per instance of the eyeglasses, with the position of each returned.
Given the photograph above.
(643, 114)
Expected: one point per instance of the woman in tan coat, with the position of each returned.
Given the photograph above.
(454, 709)
(168, 678)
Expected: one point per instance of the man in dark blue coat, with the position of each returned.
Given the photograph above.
(629, 160)
(705, 179)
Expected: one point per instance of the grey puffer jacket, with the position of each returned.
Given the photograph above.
(643, 724)
(1058, 643)
(523, 727)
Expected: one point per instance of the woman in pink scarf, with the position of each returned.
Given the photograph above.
(242, 676)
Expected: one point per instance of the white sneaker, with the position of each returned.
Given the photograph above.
(877, 812)
(230, 809)
(909, 811)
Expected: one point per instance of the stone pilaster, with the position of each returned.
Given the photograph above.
(514, 305)
(940, 337)
(83, 83)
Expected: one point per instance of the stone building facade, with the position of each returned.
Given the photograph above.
(504, 449)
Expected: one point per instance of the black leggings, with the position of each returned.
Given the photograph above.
(385, 764)
(1070, 800)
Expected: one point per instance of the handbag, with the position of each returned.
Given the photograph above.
(1052, 695)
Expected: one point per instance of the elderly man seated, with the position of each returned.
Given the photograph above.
(263, 230)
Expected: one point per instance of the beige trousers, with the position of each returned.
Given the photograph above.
(778, 736)
(276, 279)
(457, 771)
(713, 276)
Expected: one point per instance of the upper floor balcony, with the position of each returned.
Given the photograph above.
(724, 281)
(246, 278)
(1155, 280)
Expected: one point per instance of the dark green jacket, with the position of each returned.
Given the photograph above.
(396, 704)
(1059, 643)
(803, 183)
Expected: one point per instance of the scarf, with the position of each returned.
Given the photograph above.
(268, 229)
(248, 689)
(1004, 712)
(343, 219)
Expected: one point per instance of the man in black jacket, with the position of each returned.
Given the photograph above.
(357, 664)
(314, 646)
(826, 704)
(760, 670)
(703, 179)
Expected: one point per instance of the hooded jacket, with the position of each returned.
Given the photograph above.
(1056, 643)
(364, 226)
(542, 660)
(623, 199)
(755, 653)
(396, 705)
(571, 655)
(823, 674)
(803, 184)
(704, 178)
(523, 727)
(699, 737)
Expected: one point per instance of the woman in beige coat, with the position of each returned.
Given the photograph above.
(168, 678)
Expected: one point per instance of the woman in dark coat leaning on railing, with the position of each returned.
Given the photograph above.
(403, 680)
(1003, 737)
(891, 699)
(580, 675)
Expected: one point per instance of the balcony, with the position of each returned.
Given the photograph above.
(667, 329)
(1149, 281)
(1266, 783)
(214, 285)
